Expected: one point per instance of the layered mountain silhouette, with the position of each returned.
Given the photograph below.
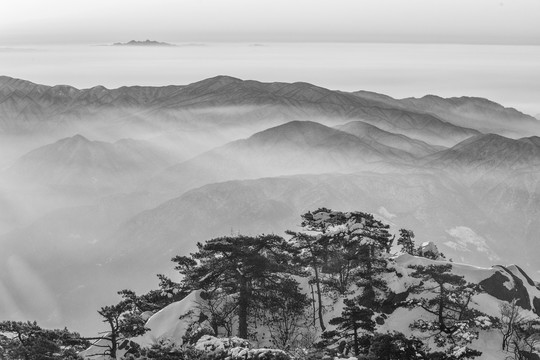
(478, 113)
(270, 204)
(297, 147)
(225, 155)
(472, 112)
(80, 165)
(373, 134)
(491, 152)
(235, 100)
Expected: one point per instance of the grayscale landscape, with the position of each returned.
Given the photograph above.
(323, 197)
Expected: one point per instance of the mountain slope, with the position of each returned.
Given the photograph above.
(490, 152)
(477, 113)
(363, 130)
(80, 165)
(471, 112)
(410, 200)
(293, 148)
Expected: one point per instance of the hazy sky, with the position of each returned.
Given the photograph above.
(95, 21)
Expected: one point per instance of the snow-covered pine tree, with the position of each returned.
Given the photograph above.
(124, 322)
(448, 298)
(343, 249)
(310, 253)
(406, 241)
(354, 323)
(27, 340)
(242, 266)
(284, 314)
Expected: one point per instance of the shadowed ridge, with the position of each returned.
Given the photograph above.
(307, 135)
(15, 83)
(256, 101)
(468, 100)
(372, 133)
(297, 147)
(309, 132)
(81, 166)
(9, 86)
(535, 140)
(468, 110)
(77, 138)
(213, 83)
(492, 151)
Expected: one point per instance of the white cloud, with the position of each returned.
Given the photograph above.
(385, 213)
(465, 239)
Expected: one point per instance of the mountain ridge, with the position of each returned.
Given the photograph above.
(88, 165)
(491, 151)
(288, 101)
(398, 141)
(479, 113)
(292, 148)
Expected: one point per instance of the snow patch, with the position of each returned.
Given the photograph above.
(165, 324)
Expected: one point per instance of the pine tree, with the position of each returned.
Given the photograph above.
(124, 322)
(406, 241)
(456, 323)
(342, 249)
(311, 253)
(28, 341)
(354, 319)
(242, 266)
(396, 346)
(284, 313)
(152, 301)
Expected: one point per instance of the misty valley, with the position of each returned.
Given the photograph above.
(303, 223)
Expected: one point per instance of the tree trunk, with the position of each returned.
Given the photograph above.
(356, 347)
(114, 339)
(440, 313)
(243, 304)
(314, 305)
(319, 298)
(505, 341)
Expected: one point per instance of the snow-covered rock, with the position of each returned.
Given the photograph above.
(172, 322)
(429, 249)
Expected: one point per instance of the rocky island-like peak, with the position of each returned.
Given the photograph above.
(143, 43)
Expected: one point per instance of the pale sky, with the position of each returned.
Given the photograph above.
(433, 21)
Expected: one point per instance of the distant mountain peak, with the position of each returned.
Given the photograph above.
(79, 137)
(483, 140)
(222, 79)
(299, 124)
(491, 152)
(304, 127)
(431, 96)
(75, 139)
(143, 43)
(214, 83)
